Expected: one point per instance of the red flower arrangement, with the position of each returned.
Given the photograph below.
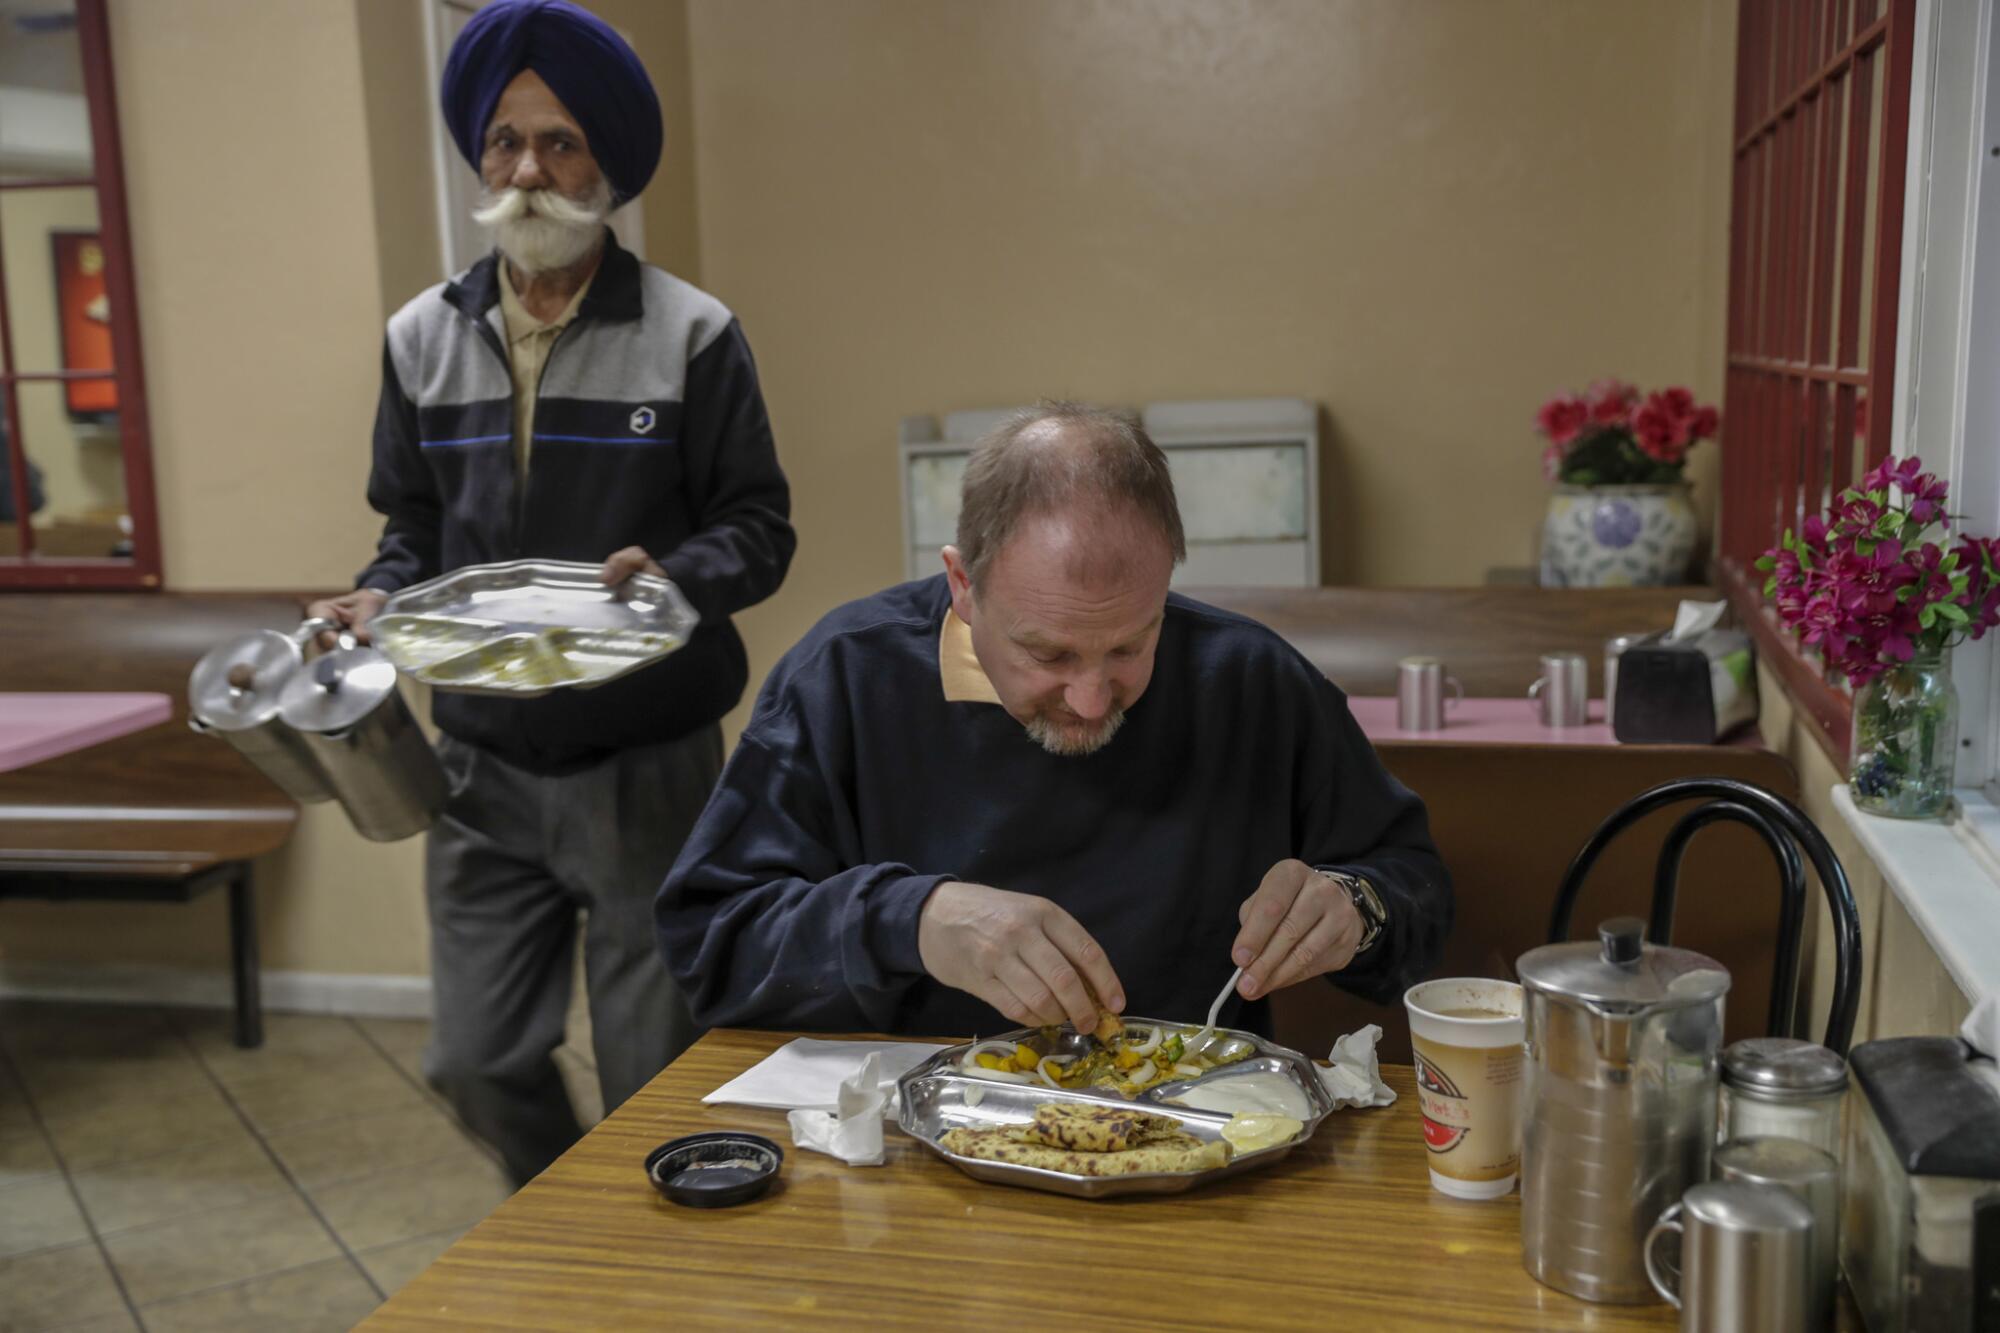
(1610, 435)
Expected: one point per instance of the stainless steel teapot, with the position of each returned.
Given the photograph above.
(1622, 1060)
(233, 693)
(335, 728)
(376, 758)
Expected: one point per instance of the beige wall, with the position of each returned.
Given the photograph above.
(1424, 215)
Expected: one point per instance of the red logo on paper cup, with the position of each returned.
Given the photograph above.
(1445, 1110)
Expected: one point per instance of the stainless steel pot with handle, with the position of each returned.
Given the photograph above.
(234, 693)
(1623, 1060)
(346, 706)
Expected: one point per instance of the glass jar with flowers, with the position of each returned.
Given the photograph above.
(1876, 591)
(1620, 514)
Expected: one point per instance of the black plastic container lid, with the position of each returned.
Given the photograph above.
(715, 1170)
(1941, 1118)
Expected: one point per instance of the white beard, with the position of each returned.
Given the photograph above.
(541, 230)
(1075, 742)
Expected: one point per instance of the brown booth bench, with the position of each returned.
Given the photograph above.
(1509, 818)
(162, 815)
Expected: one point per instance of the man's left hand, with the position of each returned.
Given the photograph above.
(1298, 924)
(622, 565)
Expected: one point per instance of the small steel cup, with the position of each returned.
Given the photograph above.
(1420, 702)
(1561, 696)
(1614, 648)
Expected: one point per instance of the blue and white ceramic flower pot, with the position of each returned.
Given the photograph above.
(1618, 536)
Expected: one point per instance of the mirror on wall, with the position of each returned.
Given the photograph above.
(71, 438)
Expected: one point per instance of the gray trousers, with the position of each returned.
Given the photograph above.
(508, 866)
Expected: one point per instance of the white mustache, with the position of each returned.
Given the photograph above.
(541, 230)
(512, 205)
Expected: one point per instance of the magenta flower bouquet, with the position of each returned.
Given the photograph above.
(1872, 587)
(1882, 592)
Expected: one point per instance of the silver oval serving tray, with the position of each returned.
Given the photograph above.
(936, 1097)
(526, 627)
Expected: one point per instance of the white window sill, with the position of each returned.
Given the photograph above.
(1947, 875)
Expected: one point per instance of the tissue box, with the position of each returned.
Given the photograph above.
(1920, 1197)
(1691, 693)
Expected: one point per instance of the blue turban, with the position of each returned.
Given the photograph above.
(597, 77)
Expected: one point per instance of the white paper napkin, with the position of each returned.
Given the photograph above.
(852, 1131)
(1356, 1076)
(807, 1073)
(1981, 1028)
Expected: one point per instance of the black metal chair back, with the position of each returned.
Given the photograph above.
(1784, 829)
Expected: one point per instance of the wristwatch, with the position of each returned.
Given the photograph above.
(1367, 902)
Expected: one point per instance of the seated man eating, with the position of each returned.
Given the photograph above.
(1039, 787)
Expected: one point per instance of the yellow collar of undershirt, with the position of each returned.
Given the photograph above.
(965, 681)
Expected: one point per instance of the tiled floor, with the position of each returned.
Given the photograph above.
(154, 1176)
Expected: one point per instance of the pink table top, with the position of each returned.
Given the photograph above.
(1481, 722)
(34, 727)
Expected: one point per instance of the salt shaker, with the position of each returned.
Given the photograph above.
(1814, 1177)
(1783, 1087)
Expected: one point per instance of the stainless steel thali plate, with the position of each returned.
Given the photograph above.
(526, 627)
(937, 1097)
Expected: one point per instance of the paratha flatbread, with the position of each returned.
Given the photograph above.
(1176, 1152)
(1095, 1128)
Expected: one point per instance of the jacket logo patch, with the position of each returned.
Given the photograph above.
(643, 420)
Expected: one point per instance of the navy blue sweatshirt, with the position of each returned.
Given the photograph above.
(857, 788)
(649, 431)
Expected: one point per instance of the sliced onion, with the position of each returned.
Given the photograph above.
(1151, 1043)
(970, 1060)
(1042, 1068)
(998, 1075)
(1189, 1071)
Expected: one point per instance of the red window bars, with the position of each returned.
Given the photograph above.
(1816, 236)
(24, 567)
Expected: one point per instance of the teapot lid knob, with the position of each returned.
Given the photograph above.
(1623, 938)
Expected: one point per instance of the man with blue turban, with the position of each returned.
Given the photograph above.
(562, 400)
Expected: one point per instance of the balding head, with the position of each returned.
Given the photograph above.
(1095, 471)
(1066, 544)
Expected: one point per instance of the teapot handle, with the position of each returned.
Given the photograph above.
(1669, 1221)
(309, 630)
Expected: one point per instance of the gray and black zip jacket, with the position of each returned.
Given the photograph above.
(649, 431)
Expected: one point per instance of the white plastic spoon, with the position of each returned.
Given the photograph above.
(1201, 1039)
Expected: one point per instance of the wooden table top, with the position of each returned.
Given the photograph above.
(1345, 1232)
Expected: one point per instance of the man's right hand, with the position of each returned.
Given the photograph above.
(1021, 954)
(352, 610)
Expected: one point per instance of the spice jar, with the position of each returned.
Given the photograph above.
(1782, 1087)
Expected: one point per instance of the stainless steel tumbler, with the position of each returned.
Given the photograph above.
(1561, 696)
(1745, 1256)
(1420, 683)
(1614, 648)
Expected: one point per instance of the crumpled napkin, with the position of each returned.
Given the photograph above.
(852, 1131)
(1981, 1028)
(808, 1072)
(1356, 1076)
